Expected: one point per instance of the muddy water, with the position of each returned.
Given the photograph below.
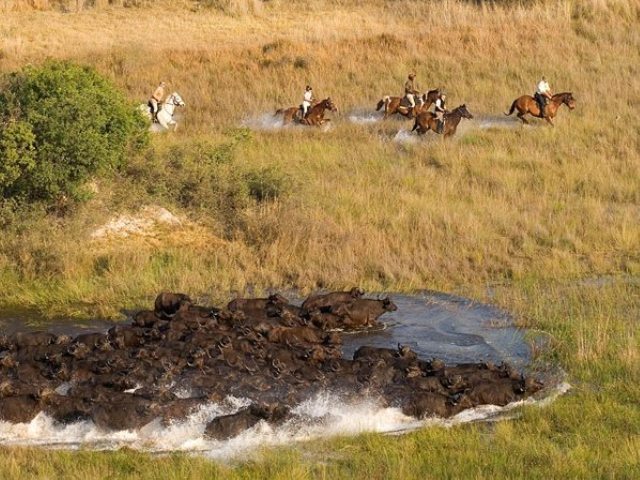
(454, 329)
(434, 324)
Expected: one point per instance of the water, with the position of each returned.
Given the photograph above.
(453, 329)
(265, 122)
(364, 117)
(268, 122)
(434, 325)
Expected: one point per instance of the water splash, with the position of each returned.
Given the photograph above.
(405, 137)
(364, 118)
(325, 415)
(265, 122)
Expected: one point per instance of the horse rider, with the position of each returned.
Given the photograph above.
(542, 95)
(156, 100)
(307, 100)
(440, 109)
(410, 91)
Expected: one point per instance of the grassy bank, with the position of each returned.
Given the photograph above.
(535, 213)
(304, 208)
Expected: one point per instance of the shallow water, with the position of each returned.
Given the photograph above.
(454, 329)
(268, 122)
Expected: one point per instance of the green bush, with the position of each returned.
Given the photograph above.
(61, 124)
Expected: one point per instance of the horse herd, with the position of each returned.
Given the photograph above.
(424, 120)
(168, 362)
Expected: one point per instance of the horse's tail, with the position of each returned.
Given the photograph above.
(383, 101)
(513, 107)
(279, 111)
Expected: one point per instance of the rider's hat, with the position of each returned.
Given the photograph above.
(308, 87)
(163, 84)
(412, 75)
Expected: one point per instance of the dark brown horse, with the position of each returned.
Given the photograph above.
(427, 121)
(401, 106)
(315, 114)
(527, 104)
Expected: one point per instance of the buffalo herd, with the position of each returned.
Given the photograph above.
(167, 363)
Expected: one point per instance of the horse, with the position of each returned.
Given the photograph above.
(315, 114)
(426, 121)
(401, 105)
(527, 104)
(165, 113)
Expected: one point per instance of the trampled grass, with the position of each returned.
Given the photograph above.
(539, 215)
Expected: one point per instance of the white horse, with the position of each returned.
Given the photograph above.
(165, 114)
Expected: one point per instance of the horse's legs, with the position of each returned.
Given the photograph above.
(521, 117)
(548, 119)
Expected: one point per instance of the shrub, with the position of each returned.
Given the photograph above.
(267, 183)
(60, 124)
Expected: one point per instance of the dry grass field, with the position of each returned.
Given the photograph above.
(538, 214)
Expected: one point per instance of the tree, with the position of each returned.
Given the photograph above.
(61, 124)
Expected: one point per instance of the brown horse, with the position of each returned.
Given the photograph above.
(315, 114)
(427, 121)
(527, 104)
(401, 106)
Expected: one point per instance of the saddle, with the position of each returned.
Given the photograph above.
(160, 105)
(301, 114)
(404, 102)
(542, 102)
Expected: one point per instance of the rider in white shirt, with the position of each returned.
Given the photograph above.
(308, 99)
(440, 110)
(543, 93)
(156, 100)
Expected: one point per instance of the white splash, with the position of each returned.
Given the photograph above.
(364, 118)
(325, 415)
(406, 137)
(484, 123)
(266, 121)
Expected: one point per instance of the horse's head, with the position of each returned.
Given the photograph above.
(431, 95)
(569, 101)
(566, 98)
(464, 113)
(175, 99)
(328, 104)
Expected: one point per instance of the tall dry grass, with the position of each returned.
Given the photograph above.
(494, 205)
